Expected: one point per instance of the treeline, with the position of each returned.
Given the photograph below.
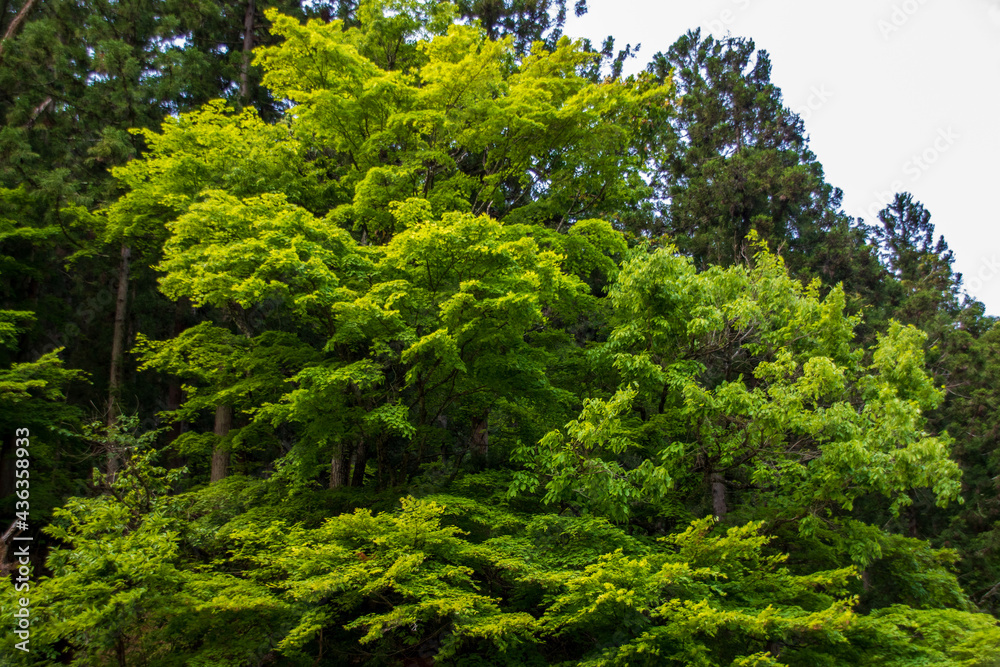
(408, 333)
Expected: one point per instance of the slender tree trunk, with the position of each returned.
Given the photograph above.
(175, 395)
(360, 461)
(46, 103)
(118, 351)
(480, 443)
(118, 336)
(337, 474)
(382, 457)
(220, 455)
(340, 468)
(718, 494)
(248, 27)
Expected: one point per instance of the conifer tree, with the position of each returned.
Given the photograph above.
(733, 159)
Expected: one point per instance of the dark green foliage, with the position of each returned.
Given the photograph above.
(420, 369)
(734, 159)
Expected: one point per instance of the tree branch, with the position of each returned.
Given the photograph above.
(21, 17)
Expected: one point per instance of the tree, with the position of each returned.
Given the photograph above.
(741, 378)
(922, 267)
(235, 253)
(733, 159)
(121, 590)
(528, 141)
(450, 393)
(526, 22)
(240, 257)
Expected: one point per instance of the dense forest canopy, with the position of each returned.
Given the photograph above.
(399, 332)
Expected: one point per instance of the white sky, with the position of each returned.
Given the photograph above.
(879, 84)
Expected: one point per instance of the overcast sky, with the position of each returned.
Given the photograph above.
(897, 95)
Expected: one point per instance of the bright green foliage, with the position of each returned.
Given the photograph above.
(584, 467)
(448, 314)
(405, 275)
(229, 253)
(394, 580)
(386, 145)
(743, 377)
(900, 637)
(696, 597)
(462, 124)
(506, 588)
(447, 308)
(709, 600)
(117, 574)
(121, 591)
(34, 382)
(33, 392)
(182, 208)
(79, 81)
(210, 149)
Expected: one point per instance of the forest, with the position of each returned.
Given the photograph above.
(406, 333)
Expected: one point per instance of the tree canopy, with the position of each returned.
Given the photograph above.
(406, 333)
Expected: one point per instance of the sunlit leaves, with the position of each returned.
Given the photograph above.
(743, 369)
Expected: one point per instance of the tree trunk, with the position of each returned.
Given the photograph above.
(718, 494)
(480, 444)
(360, 461)
(175, 394)
(220, 455)
(248, 27)
(340, 468)
(117, 374)
(382, 458)
(118, 337)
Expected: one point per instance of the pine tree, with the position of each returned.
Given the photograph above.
(922, 267)
(735, 159)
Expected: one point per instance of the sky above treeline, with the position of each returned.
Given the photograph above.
(900, 95)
